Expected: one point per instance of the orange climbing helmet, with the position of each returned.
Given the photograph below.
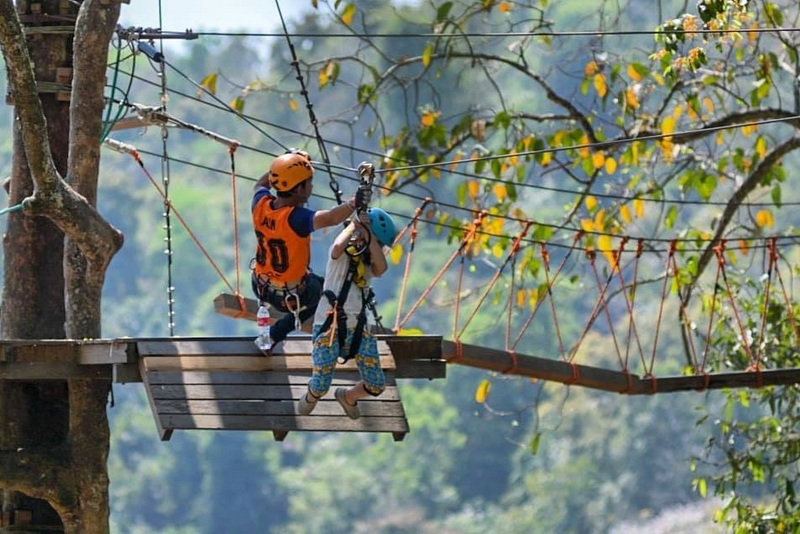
(289, 170)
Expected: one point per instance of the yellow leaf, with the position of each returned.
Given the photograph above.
(587, 225)
(427, 55)
(677, 112)
(210, 83)
(598, 159)
(501, 192)
(584, 152)
(482, 393)
(474, 188)
(668, 126)
(396, 254)
(709, 104)
(765, 218)
(498, 250)
(505, 7)
(591, 69)
(293, 105)
(611, 165)
(429, 118)
(720, 138)
(600, 84)
(761, 147)
(547, 157)
(534, 300)
(625, 213)
(638, 205)
(635, 76)
(749, 129)
(604, 243)
(591, 203)
(238, 104)
(348, 14)
(323, 78)
(520, 298)
(744, 246)
(454, 164)
(631, 100)
(599, 219)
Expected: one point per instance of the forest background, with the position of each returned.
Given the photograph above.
(534, 458)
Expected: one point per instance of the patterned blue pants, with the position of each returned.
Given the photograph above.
(326, 351)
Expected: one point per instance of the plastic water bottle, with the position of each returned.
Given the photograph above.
(263, 341)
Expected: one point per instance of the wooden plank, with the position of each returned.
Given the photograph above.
(542, 368)
(293, 345)
(164, 432)
(325, 407)
(741, 379)
(64, 351)
(311, 423)
(230, 306)
(222, 392)
(244, 363)
(238, 377)
(53, 371)
(421, 369)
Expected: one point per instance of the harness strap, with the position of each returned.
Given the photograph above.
(337, 305)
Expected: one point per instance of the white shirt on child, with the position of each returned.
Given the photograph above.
(335, 274)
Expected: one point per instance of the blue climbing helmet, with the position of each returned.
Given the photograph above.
(382, 226)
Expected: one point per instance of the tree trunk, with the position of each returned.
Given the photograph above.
(54, 435)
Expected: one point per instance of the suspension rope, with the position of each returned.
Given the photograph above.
(458, 294)
(235, 204)
(771, 266)
(602, 304)
(515, 248)
(719, 250)
(550, 282)
(130, 150)
(334, 185)
(409, 256)
(468, 238)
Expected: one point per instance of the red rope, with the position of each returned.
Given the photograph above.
(406, 272)
(458, 298)
(684, 316)
(707, 347)
(576, 374)
(459, 356)
(773, 258)
(470, 235)
(515, 247)
(601, 301)
(672, 248)
(630, 302)
(789, 306)
(183, 222)
(511, 299)
(550, 283)
(514, 363)
(546, 260)
(719, 250)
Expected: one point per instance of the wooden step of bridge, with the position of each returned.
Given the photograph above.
(230, 385)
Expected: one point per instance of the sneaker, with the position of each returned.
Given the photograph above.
(305, 407)
(351, 410)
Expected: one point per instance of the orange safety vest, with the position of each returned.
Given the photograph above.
(282, 256)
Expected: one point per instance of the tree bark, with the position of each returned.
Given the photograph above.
(54, 436)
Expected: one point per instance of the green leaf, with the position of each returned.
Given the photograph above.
(238, 104)
(365, 93)
(443, 11)
(776, 196)
(535, 443)
(672, 215)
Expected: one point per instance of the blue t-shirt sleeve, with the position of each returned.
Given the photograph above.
(260, 193)
(302, 221)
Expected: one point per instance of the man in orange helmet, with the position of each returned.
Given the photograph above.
(281, 272)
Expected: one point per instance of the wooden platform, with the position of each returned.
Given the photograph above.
(193, 386)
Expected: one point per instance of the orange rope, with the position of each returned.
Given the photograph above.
(630, 301)
(546, 260)
(684, 316)
(719, 250)
(789, 306)
(515, 247)
(458, 298)
(773, 258)
(603, 304)
(182, 221)
(702, 367)
(412, 244)
(514, 363)
(232, 152)
(550, 283)
(470, 235)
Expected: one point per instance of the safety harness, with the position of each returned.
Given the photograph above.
(337, 318)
